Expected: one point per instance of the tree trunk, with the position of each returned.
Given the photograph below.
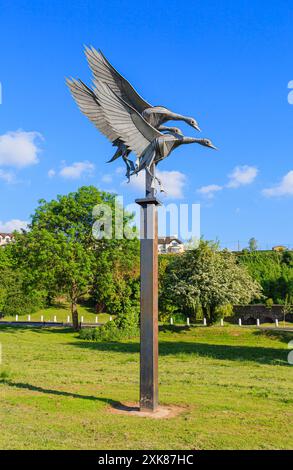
(213, 315)
(74, 314)
(100, 307)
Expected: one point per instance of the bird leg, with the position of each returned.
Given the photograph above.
(129, 166)
(162, 190)
(154, 179)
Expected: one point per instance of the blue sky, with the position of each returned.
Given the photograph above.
(226, 63)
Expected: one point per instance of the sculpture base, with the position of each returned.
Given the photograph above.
(132, 409)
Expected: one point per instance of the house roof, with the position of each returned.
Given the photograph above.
(168, 240)
(3, 235)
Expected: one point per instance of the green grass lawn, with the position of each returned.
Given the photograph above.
(61, 312)
(235, 385)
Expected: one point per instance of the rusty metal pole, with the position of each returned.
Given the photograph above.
(149, 299)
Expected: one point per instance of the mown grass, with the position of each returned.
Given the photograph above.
(61, 312)
(235, 385)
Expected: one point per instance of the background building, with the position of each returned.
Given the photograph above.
(170, 245)
(6, 238)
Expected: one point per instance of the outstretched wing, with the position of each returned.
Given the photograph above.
(131, 127)
(104, 72)
(88, 104)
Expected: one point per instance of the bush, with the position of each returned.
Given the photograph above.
(178, 318)
(269, 303)
(165, 315)
(123, 327)
(225, 310)
(206, 278)
(23, 303)
(108, 332)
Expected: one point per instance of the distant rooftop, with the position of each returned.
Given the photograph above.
(168, 240)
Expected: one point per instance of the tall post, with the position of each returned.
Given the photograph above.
(149, 298)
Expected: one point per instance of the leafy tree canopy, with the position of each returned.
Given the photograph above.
(209, 278)
(59, 252)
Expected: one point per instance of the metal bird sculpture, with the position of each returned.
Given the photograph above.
(89, 105)
(149, 144)
(171, 130)
(123, 151)
(104, 72)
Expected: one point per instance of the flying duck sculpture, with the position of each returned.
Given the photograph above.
(123, 151)
(89, 105)
(104, 72)
(148, 143)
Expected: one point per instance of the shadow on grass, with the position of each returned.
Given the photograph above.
(48, 391)
(35, 329)
(284, 336)
(174, 328)
(259, 355)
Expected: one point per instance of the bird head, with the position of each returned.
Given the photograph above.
(176, 130)
(207, 143)
(193, 123)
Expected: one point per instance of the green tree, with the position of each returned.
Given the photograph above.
(208, 278)
(5, 276)
(252, 244)
(287, 307)
(17, 296)
(59, 252)
(269, 303)
(116, 280)
(166, 305)
(272, 270)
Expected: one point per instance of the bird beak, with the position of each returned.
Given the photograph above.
(196, 126)
(213, 147)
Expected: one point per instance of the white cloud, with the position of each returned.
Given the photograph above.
(120, 170)
(107, 178)
(51, 173)
(7, 176)
(209, 190)
(173, 182)
(12, 225)
(19, 149)
(242, 175)
(77, 170)
(284, 188)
